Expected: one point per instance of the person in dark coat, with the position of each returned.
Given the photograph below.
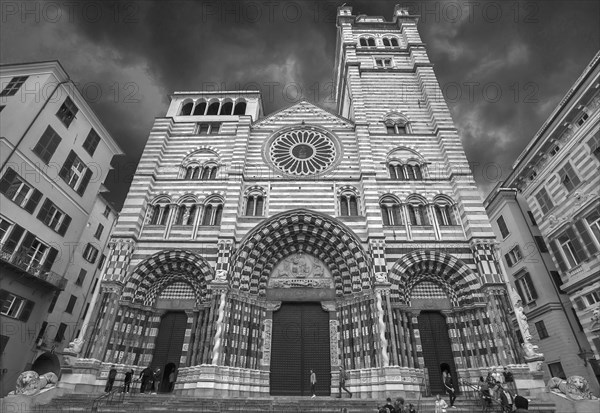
(112, 375)
(145, 376)
(506, 399)
(450, 388)
(156, 380)
(342, 385)
(127, 381)
(521, 404)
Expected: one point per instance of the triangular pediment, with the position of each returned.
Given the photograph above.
(306, 112)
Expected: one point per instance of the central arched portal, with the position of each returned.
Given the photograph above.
(300, 342)
(169, 342)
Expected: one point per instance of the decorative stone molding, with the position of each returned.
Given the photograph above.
(333, 344)
(328, 306)
(273, 305)
(266, 342)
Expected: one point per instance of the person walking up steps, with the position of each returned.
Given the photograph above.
(343, 378)
(313, 382)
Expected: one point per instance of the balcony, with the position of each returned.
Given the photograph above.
(21, 262)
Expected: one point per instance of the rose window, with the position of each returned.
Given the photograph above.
(304, 151)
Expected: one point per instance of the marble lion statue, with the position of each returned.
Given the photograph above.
(575, 387)
(29, 383)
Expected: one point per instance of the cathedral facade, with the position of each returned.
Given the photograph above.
(253, 248)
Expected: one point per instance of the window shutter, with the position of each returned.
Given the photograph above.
(44, 210)
(508, 261)
(27, 241)
(50, 259)
(579, 251)
(33, 201)
(520, 291)
(26, 311)
(84, 182)
(557, 256)
(7, 180)
(13, 239)
(579, 304)
(65, 225)
(587, 240)
(66, 168)
(529, 282)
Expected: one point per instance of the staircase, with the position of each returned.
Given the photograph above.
(137, 403)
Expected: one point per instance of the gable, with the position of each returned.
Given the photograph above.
(304, 112)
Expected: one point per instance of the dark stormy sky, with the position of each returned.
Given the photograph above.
(502, 65)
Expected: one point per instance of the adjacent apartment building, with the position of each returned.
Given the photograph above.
(557, 176)
(526, 260)
(54, 222)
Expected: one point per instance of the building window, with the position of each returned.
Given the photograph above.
(53, 302)
(513, 256)
(391, 213)
(541, 329)
(556, 370)
(445, 215)
(90, 253)
(91, 142)
(532, 218)
(106, 212)
(571, 248)
(71, 304)
(418, 215)
(67, 112)
(594, 145)
(554, 150)
(85, 311)
(208, 128)
(582, 119)
(558, 282)
(53, 217)
(396, 171)
(81, 277)
(593, 220)
(13, 86)
(209, 172)
(159, 214)
(592, 298)
(13, 306)
(525, 288)
(60, 333)
(17, 190)
(348, 205)
(186, 215)
(36, 254)
(568, 177)
(540, 243)
(413, 172)
(5, 227)
(544, 200)
(255, 205)
(212, 215)
(98, 232)
(75, 173)
(47, 145)
(383, 63)
(502, 226)
(101, 261)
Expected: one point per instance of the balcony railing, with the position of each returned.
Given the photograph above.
(22, 261)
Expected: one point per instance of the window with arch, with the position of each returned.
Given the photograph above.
(362, 41)
(209, 172)
(213, 211)
(409, 172)
(445, 213)
(386, 42)
(370, 41)
(192, 172)
(159, 213)
(213, 108)
(226, 108)
(394, 42)
(186, 109)
(200, 108)
(391, 212)
(255, 202)
(348, 204)
(413, 172)
(417, 213)
(240, 108)
(186, 213)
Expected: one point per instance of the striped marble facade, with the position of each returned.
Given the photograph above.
(380, 272)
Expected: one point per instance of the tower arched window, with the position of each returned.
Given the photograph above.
(371, 41)
(396, 171)
(240, 108)
(226, 108)
(209, 172)
(186, 214)
(186, 109)
(255, 205)
(363, 41)
(159, 214)
(386, 42)
(394, 42)
(445, 214)
(213, 108)
(390, 211)
(348, 204)
(418, 215)
(200, 108)
(212, 214)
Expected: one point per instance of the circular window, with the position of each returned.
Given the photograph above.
(302, 151)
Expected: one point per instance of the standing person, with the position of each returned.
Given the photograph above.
(399, 406)
(506, 399)
(343, 378)
(127, 381)
(172, 380)
(440, 404)
(450, 388)
(491, 383)
(509, 379)
(521, 404)
(411, 408)
(145, 377)
(112, 375)
(313, 382)
(484, 392)
(388, 407)
(156, 383)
